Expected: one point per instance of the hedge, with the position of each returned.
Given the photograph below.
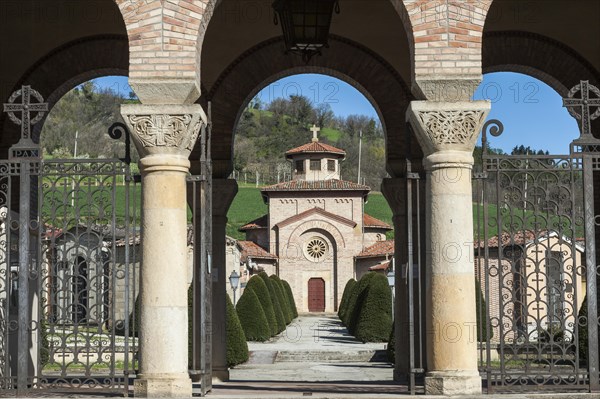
(252, 316)
(481, 318)
(290, 296)
(391, 346)
(355, 302)
(582, 335)
(345, 297)
(374, 321)
(275, 300)
(237, 347)
(262, 292)
(281, 297)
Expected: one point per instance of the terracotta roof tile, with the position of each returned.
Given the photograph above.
(320, 185)
(370, 221)
(509, 239)
(315, 147)
(380, 248)
(381, 266)
(260, 223)
(253, 250)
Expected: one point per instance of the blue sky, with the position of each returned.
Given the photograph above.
(531, 111)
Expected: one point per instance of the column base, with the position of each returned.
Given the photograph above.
(161, 386)
(449, 383)
(220, 375)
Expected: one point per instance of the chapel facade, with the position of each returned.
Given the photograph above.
(316, 227)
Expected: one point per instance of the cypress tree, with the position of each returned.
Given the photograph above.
(237, 347)
(290, 296)
(374, 321)
(281, 298)
(276, 304)
(345, 297)
(355, 301)
(262, 292)
(252, 316)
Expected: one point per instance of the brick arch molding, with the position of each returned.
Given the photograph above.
(546, 59)
(66, 67)
(345, 59)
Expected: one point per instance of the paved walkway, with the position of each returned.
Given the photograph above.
(314, 357)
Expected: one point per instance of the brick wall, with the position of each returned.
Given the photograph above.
(163, 36)
(447, 36)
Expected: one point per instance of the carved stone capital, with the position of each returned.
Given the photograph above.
(166, 91)
(164, 129)
(447, 126)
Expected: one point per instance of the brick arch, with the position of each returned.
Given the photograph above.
(541, 57)
(446, 38)
(548, 60)
(265, 63)
(64, 68)
(322, 226)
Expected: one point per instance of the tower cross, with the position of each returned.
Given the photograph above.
(26, 108)
(315, 131)
(585, 103)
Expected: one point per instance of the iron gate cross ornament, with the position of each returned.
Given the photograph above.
(25, 148)
(585, 103)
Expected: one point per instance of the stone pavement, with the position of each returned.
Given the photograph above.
(314, 357)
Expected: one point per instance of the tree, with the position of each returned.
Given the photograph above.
(356, 301)
(342, 311)
(374, 322)
(237, 347)
(262, 292)
(275, 299)
(290, 296)
(252, 317)
(282, 299)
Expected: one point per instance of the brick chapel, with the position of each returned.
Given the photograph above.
(317, 229)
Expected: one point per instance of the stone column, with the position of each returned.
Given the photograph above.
(164, 136)
(224, 191)
(447, 133)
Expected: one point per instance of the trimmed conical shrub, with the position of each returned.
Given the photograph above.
(355, 301)
(252, 316)
(481, 319)
(237, 347)
(275, 300)
(391, 346)
(582, 335)
(262, 292)
(290, 295)
(282, 298)
(374, 322)
(345, 297)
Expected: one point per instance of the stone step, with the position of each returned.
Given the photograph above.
(332, 356)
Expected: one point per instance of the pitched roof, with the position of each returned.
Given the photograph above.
(260, 223)
(253, 250)
(380, 248)
(319, 211)
(319, 185)
(315, 147)
(381, 266)
(370, 221)
(525, 238)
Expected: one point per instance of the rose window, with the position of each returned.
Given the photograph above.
(316, 248)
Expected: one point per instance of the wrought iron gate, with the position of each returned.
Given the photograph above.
(68, 269)
(536, 264)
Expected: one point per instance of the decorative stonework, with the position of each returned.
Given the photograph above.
(315, 249)
(168, 129)
(441, 126)
(165, 130)
(451, 127)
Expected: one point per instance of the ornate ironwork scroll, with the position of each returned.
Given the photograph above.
(68, 267)
(536, 261)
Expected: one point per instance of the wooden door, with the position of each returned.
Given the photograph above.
(316, 295)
